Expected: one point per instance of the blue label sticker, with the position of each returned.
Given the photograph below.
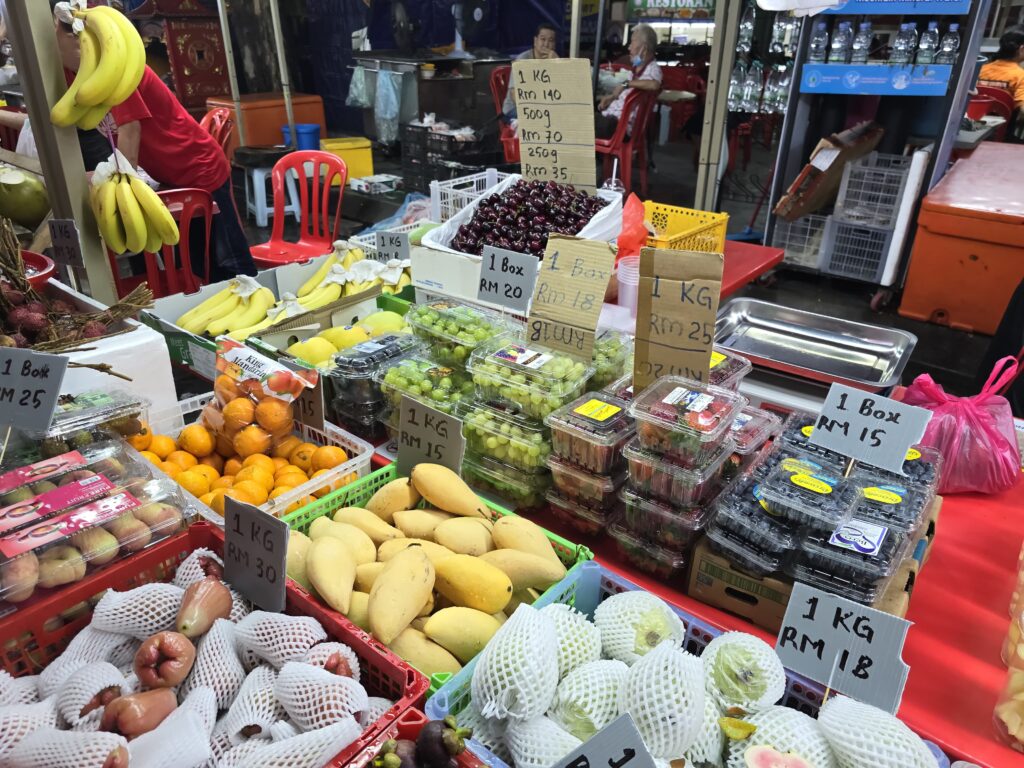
(860, 536)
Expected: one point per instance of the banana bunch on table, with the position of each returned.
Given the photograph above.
(130, 215)
(113, 59)
(243, 303)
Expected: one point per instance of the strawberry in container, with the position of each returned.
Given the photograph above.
(661, 562)
(590, 433)
(750, 431)
(657, 522)
(665, 481)
(585, 488)
(684, 421)
(584, 519)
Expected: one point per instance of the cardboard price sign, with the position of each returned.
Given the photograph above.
(507, 278)
(67, 243)
(847, 646)
(392, 245)
(556, 120)
(676, 313)
(427, 435)
(617, 745)
(869, 427)
(255, 553)
(569, 294)
(29, 387)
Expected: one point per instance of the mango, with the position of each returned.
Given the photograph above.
(461, 631)
(332, 572)
(447, 491)
(395, 496)
(464, 536)
(359, 544)
(525, 570)
(435, 552)
(472, 583)
(514, 532)
(423, 653)
(368, 523)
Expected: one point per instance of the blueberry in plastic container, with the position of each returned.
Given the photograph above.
(803, 493)
(351, 381)
(796, 432)
(899, 507)
(858, 551)
(859, 592)
(741, 513)
(741, 554)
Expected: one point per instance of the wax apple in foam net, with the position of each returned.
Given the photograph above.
(164, 660)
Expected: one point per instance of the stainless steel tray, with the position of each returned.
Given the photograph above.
(813, 346)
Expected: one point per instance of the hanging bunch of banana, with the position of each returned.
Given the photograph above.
(131, 216)
(113, 59)
(242, 304)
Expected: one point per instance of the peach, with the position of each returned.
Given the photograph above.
(60, 565)
(18, 578)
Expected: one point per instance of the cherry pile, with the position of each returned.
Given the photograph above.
(523, 216)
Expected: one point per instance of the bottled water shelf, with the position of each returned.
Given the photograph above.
(901, 8)
(876, 79)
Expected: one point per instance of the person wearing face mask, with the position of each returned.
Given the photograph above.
(643, 43)
(544, 41)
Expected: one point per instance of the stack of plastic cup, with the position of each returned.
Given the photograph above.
(628, 272)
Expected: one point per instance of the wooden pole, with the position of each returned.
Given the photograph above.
(30, 25)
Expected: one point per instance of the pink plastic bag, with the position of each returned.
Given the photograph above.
(975, 434)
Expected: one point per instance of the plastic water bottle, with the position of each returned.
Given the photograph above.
(842, 39)
(950, 46)
(746, 39)
(739, 76)
(752, 87)
(902, 50)
(928, 44)
(782, 91)
(778, 43)
(862, 44)
(819, 43)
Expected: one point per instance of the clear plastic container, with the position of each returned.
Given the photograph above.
(665, 564)
(108, 458)
(671, 527)
(539, 381)
(803, 493)
(742, 554)
(750, 431)
(591, 432)
(505, 434)
(352, 380)
(922, 467)
(796, 433)
(865, 594)
(742, 512)
(896, 506)
(436, 385)
(622, 388)
(586, 520)
(727, 369)
(522, 490)
(453, 330)
(684, 421)
(653, 477)
(368, 424)
(585, 488)
(114, 410)
(858, 551)
(60, 550)
(613, 358)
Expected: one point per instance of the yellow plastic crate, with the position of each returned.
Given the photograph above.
(355, 151)
(683, 229)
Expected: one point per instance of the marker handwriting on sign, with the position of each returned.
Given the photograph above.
(31, 381)
(261, 536)
(584, 762)
(549, 333)
(842, 620)
(432, 426)
(426, 434)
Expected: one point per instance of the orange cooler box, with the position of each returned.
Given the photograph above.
(968, 256)
(264, 114)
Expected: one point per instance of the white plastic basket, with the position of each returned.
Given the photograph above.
(872, 190)
(449, 197)
(801, 240)
(172, 420)
(368, 241)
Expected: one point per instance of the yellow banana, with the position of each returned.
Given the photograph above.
(198, 323)
(353, 288)
(241, 334)
(353, 255)
(131, 215)
(66, 112)
(107, 218)
(204, 306)
(320, 298)
(404, 280)
(318, 276)
(93, 117)
(156, 211)
(153, 241)
(254, 310)
(135, 56)
(100, 85)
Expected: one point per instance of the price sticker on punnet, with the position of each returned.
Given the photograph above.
(427, 435)
(29, 387)
(255, 554)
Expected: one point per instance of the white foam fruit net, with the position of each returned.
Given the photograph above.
(50, 748)
(203, 701)
(634, 623)
(861, 734)
(122, 655)
(579, 641)
(180, 741)
(307, 750)
(220, 744)
(89, 723)
(19, 720)
(240, 607)
(490, 733)
(517, 673)
(193, 568)
(375, 708)
(82, 685)
(139, 612)
(217, 665)
(255, 708)
(89, 645)
(315, 698)
(710, 744)
(538, 742)
(278, 638)
(664, 692)
(786, 730)
(18, 690)
(587, 699)
(329, 653)
(283, 729)
(743, 671)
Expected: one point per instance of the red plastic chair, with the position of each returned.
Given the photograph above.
(317, 228)
(500, 77)
(1002, 105)
(639, 106)
(219, 123)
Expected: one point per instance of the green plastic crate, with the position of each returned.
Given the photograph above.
(397, 302)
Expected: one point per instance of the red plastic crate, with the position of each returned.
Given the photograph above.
(407, 726)
(34, 636)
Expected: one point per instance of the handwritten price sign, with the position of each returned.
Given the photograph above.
(428, 435)
(255, 554)
(507, 278)
(392, 245)
(29, 387)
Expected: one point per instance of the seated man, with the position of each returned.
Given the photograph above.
(1004, 71)
(643, 43)
(544, 41)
